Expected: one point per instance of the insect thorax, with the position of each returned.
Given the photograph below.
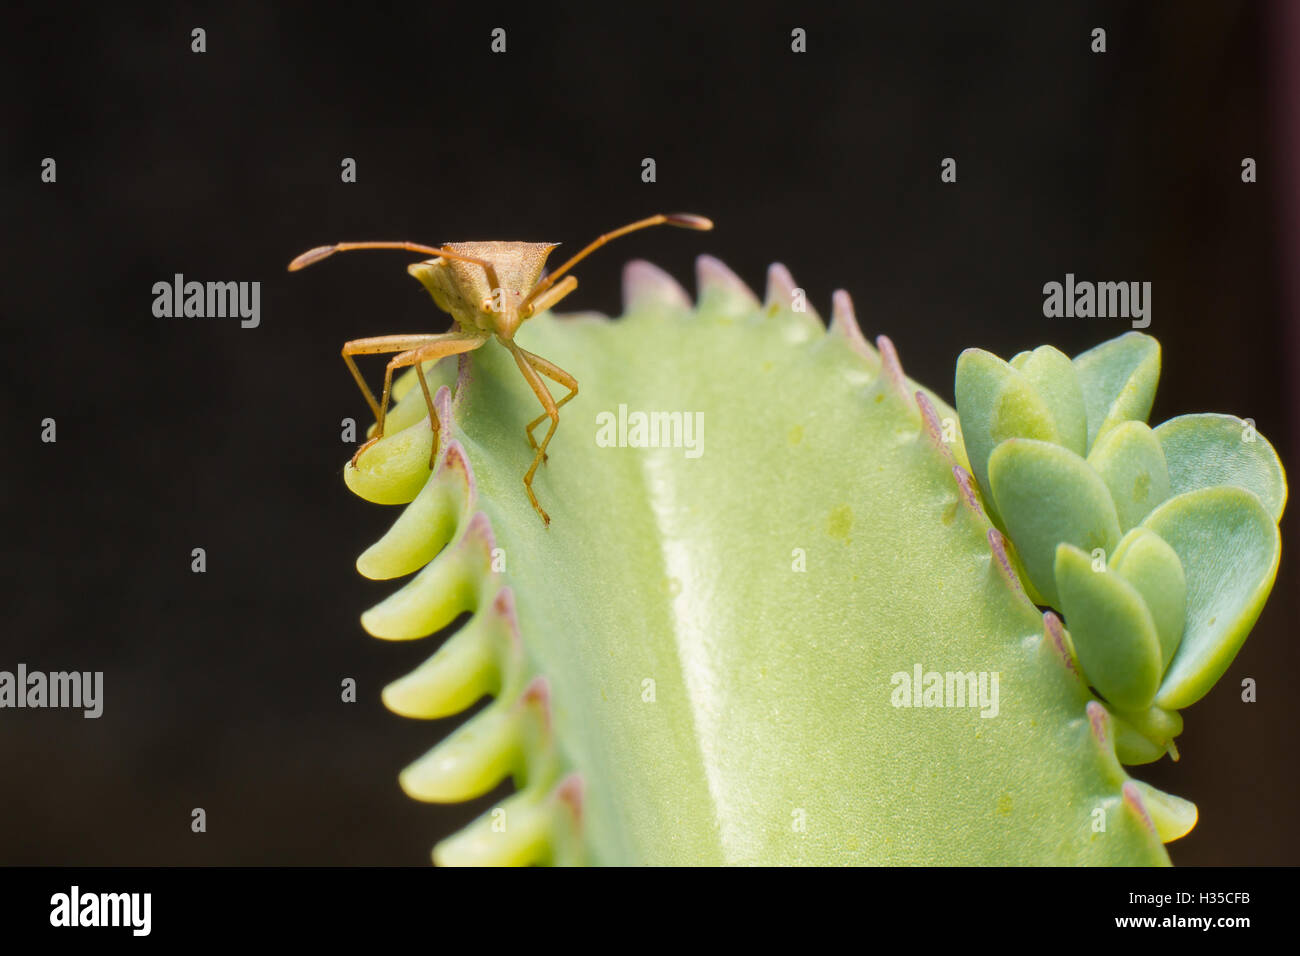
(462, 288)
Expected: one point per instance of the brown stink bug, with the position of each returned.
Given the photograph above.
(489, 289)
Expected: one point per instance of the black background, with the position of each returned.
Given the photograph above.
(222, 689)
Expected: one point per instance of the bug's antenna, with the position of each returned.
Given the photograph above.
(684, 220)
(313, 256)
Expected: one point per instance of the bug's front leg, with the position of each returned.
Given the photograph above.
(414, 350)
(552, 412)
(555, 374)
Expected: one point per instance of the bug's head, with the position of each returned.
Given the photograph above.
(463, 289)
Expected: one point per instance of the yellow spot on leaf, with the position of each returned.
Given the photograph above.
(839, 522)
(1141, 486)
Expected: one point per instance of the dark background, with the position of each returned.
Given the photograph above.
(222, 689)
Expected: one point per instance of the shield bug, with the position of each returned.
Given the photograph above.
(489, 289)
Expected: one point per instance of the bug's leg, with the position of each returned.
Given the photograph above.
(555, 374)
(433, 414)
(431, 353)
(378, 345)
(430, 348)
(548, 402)
(543, 302)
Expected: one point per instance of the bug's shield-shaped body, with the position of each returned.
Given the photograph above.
(462, 290)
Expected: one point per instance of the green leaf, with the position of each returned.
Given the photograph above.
(1052, 374)
(1129, 460)
(716, 646)
(1206, 450)
(1147, 562)
(1046, 495)
(1119, 381)
(996, 402)
(1229, 548)
(1112, 630)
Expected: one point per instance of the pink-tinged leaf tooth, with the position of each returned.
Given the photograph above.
(721, 290)
(933, 428)
(570, 792)
(1099, 721)
(998, 547)
(844, 323)
(1057, 641)
(479, 543)
(892, 367)
(780, 287)
(442, 408)
(456, 474)
(1133, 798)
(781, 292)
(503, 605)
(968, 495)
(646, 286)
(566, 804)
(537, 696)
(464, 377)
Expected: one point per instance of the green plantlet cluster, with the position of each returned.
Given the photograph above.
(1158, 545)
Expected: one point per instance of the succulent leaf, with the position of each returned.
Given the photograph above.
(1119, 379)
(1112, 629)
(1229, 548)
(1131, 463)
(1053, 377)
(1048, 495)
(1207, 449)
(1144, 560)
(999, 404)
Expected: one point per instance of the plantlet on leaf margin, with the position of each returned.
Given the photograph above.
(1159, 545)
(482, 306)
